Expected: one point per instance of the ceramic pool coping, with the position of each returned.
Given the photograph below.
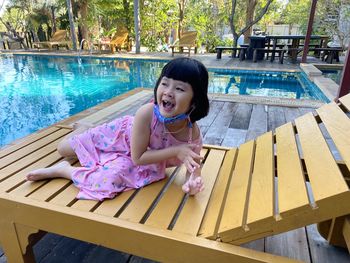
(326, 85)
(144, 57)
(284, 102)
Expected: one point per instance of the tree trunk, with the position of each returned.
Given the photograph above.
(235, 33)
(232, 23)
(71, 23)
(53, 18)
(14, 35)
(137, 25)
(251, 4)
(127, 22)
(83, 10)
(182, 4)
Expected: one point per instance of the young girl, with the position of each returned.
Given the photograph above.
(131, 152)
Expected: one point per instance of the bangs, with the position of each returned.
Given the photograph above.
(185, 70)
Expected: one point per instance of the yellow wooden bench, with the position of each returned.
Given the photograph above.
(278, 182)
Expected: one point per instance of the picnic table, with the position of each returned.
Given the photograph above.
(254, 43)
(295, 46)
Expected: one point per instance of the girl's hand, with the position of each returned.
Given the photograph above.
(194, 184)
(186, 154)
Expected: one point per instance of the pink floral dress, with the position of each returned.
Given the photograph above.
(104, 153)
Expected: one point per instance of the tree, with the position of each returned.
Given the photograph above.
(296, 12)
(181, 4)
(249, 24)
(333, 19)
(137, 26)
(71, 23)
(251, 4)
(14, 22)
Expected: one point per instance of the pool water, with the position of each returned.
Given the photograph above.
(37, 91)
(293, 85)
(333, 74)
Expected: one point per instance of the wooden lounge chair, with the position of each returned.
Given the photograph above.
(187, 41)
(278, 182)
(117, 42)
(59, 38)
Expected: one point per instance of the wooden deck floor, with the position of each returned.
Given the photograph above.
(228, 124)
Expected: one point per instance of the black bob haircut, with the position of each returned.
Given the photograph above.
(194, 73)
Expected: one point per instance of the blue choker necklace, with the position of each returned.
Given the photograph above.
(166, 120)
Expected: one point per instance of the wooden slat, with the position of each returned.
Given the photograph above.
(235, 205)
(95, 117)
(118, 234)
(291, 181)
(193, 211)
(50, 189)
(19, 177)
(85, 205)
(66, 196)
(338, 126)
(261, 198)
(28, 160)
(214, 210)
(164, 212)
(27, 140)
(111, 207)
(345, 100)
(32, 147)
(325, 177)
(142, 201)
(29, 187)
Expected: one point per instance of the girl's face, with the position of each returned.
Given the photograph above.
(174, 97)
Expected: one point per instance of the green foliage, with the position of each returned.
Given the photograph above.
(158, 18)
(297, 13)
(273, 15)
(16, 17)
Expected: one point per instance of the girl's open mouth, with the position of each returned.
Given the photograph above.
(167, 105)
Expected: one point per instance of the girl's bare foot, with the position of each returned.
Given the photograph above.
(62, 169)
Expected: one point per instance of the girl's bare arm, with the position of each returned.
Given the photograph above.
(140, 153)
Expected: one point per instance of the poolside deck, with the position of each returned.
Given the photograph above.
(239, 120)
(230, 122)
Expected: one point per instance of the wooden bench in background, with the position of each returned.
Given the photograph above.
(280, 53)
(328, 54)
(247, 195)
(241, 51)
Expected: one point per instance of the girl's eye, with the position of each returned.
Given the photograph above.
(164, 83)
(180, 89)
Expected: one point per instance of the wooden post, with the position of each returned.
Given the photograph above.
(309, 31)
(344, 87)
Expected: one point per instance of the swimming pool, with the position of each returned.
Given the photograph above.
(334, 74)
(37, 91)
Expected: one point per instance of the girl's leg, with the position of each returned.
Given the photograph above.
(64, 148)
(62, 170)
